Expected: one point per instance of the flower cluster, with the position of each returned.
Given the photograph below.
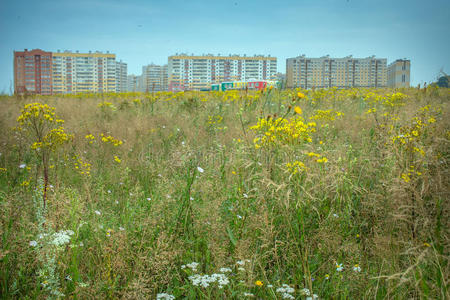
(206, 280)
(318, 158)
(326, 115)
(61, 237)
(111, 140)
(411, 172)
(215, 119)
(38, 114)
(282, 131)
(296, 167)
(106, 104)
(286, 291)
(81, 166)
(90, 138)
(164, 296)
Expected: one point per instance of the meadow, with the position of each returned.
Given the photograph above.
(274, 194)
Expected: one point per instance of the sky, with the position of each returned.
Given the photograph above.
(140, 32)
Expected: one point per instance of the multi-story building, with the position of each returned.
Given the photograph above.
(399, 73)
(154, 78)
(121, 77)
(135, 83)
(49, 73)
(189, 72)
(84, 72)
(326, 72)
(33, 72)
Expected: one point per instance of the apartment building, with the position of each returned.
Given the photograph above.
(190, 72)
(134, 83)
(326, 72)
(121, 77)
(155, 78)
(33, 72)
(84, 72)
(399, 73)
(48, 73)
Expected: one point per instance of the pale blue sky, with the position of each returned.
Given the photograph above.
(140, 32)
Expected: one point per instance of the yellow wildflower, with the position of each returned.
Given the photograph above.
(259, 283)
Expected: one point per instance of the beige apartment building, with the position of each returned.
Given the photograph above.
(399, 73)
(190, 72)
(83, 72)
(326, 72)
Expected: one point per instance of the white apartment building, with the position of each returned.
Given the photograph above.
(189, 72)
(399, 73)
(326, 72)
(121, 77)
(154, 78)
(94, 72)
(134, 83)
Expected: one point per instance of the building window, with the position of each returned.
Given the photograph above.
(403, 78)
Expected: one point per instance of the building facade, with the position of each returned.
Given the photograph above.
(155, 78)
(189, 72)
(121, 77)
(50, 73)
(84, 72)
(399, 73)
(326, 72)
(33, 72)
(134, 83)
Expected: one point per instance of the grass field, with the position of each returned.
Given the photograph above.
(292, 194)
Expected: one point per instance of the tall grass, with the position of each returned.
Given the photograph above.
(190, 183)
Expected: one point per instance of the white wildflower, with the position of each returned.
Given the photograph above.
(22, 166)
(121, 228)
(61, 237)
(339, 267)
(306, 292)
(314, 296)
(356, 268)
(286, 291)
(225, 270)
(245, 195)
(200, 169)
(193, 266)
(248, 295)
(206, 280)
(164, 296)
(109, 191)
(97, 212)
(33, 243)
